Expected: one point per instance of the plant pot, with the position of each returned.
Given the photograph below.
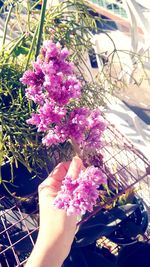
(22, 182)
(22, 191)
(20, 186)
(132, 226)
(89, 256)
(137, 254)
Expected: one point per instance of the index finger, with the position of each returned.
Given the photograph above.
(53, 182)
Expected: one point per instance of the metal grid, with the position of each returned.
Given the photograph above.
(125, 162)
(18, 230)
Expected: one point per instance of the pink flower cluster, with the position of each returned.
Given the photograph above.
(80, 195)
(82, 125)
(52, 84)
(52, 76)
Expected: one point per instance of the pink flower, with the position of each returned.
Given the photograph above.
(33, 78)
(59, 134)
(78, 126)
(64, 53)
(80, 195)
(53, 76)
(52, 85)
(35, 93)
(86, 127)
(47, 114)
(51, 138)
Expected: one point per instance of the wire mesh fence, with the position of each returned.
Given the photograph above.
(19, 219)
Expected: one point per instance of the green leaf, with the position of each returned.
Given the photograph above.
(21, 50)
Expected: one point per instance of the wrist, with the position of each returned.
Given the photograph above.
(51, 248)
(44, 255)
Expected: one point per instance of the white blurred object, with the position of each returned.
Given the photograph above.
(144, 3)
(129, 124)
(138, 18)
(132, 39)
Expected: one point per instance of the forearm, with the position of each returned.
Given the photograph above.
(44, 256)
(53, 243)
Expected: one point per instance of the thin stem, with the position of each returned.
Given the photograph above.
(37, 3)
(76, 148)
(28, 14)
(17, 43)
(6, 24)
(40, 29)
(31, 47)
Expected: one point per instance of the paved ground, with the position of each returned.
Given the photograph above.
(137, 98)
(129, 124)
(134, 94)
(129, 110)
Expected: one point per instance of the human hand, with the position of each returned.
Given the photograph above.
(57, 230)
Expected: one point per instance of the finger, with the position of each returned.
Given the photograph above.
(60, 171)
(52, 184)
(75, 167)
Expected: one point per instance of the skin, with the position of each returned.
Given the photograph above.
(57, 230)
